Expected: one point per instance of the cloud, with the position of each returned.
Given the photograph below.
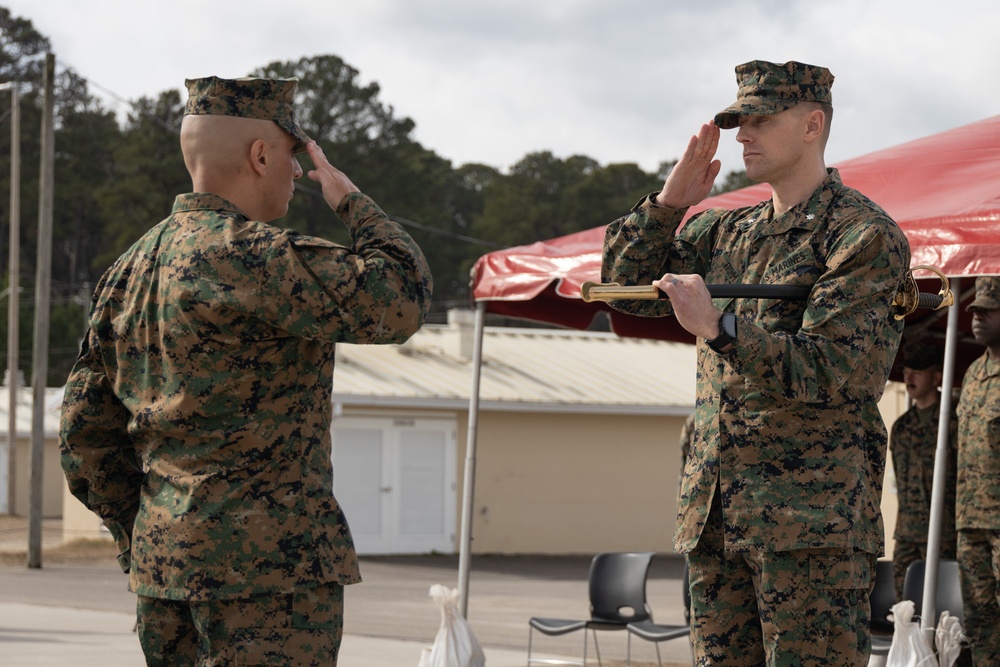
(626, 81)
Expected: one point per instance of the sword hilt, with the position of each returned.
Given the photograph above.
(909, 297)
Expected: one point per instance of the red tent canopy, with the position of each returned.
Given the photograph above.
(943, 190)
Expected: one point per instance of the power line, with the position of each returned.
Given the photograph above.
(298, 186)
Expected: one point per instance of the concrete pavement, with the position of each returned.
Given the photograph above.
(79, 613)
(40, 636)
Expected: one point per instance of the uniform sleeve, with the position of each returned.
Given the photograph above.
(378, 291)
(847, 323)
(640, 247)
(97, 453)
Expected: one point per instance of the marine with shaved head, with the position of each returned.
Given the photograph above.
(196, 422)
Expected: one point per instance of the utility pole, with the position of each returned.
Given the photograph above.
(40, 347)
(13, 298)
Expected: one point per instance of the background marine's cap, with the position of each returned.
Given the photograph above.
(919, 357)
(261, 99)
(767, 88)
(987, 293)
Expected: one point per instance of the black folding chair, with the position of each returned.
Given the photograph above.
(617, 585)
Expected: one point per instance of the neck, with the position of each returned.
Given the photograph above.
(232, 190)
(926, 401)
(787, 194)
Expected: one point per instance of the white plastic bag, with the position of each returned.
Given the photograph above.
(455, 645)
(909, 648)
(948, 637)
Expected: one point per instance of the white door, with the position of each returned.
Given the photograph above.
(395, 479)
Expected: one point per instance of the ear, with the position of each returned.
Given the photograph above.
(815, 123)
(259, 156)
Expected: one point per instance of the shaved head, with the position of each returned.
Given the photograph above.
(217, 146)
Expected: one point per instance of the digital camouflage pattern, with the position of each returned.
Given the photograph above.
(196, 422)
(304, 629)
(978, 493)
(987, 293)
(787, 425)
(789, 445)
(260, 99)
(913, 443)
(978, 505)
(766, 88)
(978, 564)
(805, 607)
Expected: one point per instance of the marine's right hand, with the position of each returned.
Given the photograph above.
(335, 183)
(693, 176)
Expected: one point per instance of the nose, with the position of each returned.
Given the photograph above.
(741, 135)
(297, 172)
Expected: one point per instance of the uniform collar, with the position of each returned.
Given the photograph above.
(808, 214)
(205, 201)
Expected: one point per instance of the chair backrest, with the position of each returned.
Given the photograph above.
(883, 596)
(618, 586)
(949, 592)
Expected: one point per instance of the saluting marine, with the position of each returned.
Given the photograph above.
(779, 505)
(196, 422)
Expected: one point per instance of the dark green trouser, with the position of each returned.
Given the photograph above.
(979, 569)
(807, 607)
(302, 628)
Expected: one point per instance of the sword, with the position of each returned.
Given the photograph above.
(908, 299)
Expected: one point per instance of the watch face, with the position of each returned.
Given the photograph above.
(729, 325)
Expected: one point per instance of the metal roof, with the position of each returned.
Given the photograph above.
(523, 369)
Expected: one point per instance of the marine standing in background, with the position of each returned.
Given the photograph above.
(779, 506)
(196, 422)
(913, 443)
(978, 493)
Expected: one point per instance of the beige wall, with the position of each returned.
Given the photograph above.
(52, 477)
(893, 404)
(574, 483)
(79, 523)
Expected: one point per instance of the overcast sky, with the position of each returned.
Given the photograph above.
(617, 80)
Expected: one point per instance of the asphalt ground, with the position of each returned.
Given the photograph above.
(76, 610)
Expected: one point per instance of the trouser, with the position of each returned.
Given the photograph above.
(979, 569)
(806, 607)
(301, 628)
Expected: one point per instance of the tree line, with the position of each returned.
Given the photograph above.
(116, 176)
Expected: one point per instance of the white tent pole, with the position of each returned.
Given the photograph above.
(928, 612)
(469, 486)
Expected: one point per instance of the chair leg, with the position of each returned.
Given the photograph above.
(597, 650)
(530, 632)
(659, 660)
(628, 649)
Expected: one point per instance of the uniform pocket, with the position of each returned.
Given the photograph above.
(843, 572)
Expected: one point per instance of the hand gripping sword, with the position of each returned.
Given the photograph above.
(908, 299)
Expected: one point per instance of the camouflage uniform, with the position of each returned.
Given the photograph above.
(784, 478)
(196, 422)
(978, 494)
(913, 444)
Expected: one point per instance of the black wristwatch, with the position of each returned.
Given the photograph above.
(727, 333)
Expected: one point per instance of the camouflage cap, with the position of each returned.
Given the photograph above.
(767, 88)
(987, 294)
(262, 99)
(920, 357)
